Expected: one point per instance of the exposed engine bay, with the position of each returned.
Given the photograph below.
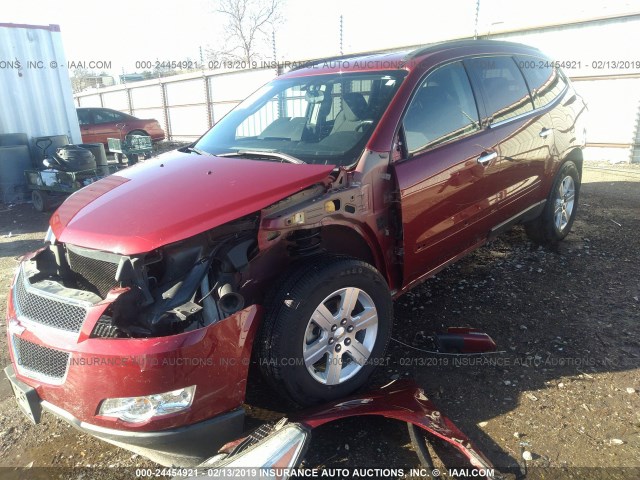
(186, 285)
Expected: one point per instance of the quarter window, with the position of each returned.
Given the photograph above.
(545, 82)
(505, 92)
(442, 109)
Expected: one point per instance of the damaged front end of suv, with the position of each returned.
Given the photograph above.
(149, 348)
(136, 321)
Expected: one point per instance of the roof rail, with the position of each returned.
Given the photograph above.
(462, 42)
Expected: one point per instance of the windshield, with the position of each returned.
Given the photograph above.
(323, 119)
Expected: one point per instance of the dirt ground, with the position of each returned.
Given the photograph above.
(565, 386)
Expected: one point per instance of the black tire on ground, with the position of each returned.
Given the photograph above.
(40, 200)
(288, 333)
(555, 221)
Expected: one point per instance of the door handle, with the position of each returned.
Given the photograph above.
(545, 132)
(487, 157)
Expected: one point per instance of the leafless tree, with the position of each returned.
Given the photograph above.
(79, 79)
(249, 24)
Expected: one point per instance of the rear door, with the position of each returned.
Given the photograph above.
(445, 193)
(551, 91)
(523, 133)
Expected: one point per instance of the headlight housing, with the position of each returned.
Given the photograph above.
(141, 409)
(281, 449)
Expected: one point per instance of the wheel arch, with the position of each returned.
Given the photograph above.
(353, 241)
(575, 155)
(138, 130)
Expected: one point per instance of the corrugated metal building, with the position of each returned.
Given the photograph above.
(35, 101)
(35, 90)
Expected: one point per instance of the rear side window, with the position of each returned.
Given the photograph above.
(106, 116)
(442, 109)
(505, 91)
(545, 81)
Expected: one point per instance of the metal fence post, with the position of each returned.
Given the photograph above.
(634, 155)
(207, 96)
(165, 108)
(127, 90)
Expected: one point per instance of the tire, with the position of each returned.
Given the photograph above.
(40, 200)
(556, 220)
(314, 360)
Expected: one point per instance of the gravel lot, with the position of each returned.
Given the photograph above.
(566, 387)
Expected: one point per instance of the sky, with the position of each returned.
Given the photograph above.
(124, 32)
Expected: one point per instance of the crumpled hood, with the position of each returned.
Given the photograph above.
(173, 197)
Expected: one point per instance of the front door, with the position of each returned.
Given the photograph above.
(446, 180)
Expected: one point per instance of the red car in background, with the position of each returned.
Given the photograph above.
(98, 124)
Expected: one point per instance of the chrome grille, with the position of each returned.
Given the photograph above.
(94, 275)
(40, 362)
(46, 310)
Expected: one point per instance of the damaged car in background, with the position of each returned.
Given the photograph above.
(284, 234)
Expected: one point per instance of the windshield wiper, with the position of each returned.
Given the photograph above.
(263, 154)
(196, 150)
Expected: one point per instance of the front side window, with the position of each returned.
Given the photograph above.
(321, 119)
(545, 82)
(504, 90)
(443, 108)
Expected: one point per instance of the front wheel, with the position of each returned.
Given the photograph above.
(325, 330)
(555, 221)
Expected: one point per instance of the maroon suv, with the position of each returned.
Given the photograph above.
(283, 234)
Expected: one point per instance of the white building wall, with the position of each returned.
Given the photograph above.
(35, 91)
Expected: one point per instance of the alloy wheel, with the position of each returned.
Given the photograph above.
(340, 336)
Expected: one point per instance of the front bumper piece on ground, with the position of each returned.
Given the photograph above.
(274, 452)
